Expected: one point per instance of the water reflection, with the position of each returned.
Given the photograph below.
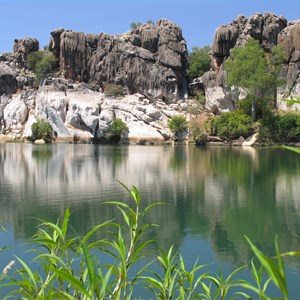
(213, 194)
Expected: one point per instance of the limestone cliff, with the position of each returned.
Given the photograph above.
(150, 59)
(269, 30)
(150, 62)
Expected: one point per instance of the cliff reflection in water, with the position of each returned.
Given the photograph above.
(215, 194)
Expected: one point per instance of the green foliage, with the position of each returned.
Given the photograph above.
(276, 272)
(291, 102)
(232, 125)
(254, 70)
(280, 128)
(199, 61)
(117, 128)
(41, 63)
(149, 21)
(41, 129)
(68, 266)
(114, 90)
(294, 149)
(134, 25)
(6, 54)
(178, 124)
(245, 107)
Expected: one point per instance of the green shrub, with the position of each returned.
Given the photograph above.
(114, 90)
(261, 107)
(41, 63)
(6, 54)
(232, 125)
(280, 128)
(178, 124)
(135, 25)
(199, 61)
(117, 128)
(41, 130)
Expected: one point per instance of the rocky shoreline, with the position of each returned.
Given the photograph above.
(150, 63)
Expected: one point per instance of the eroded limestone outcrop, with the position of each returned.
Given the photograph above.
(289, 40)
(23, 47)
(150, 59)
(269, 30)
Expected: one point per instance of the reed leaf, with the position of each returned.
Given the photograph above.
(276, 272)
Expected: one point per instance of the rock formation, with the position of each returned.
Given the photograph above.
(150, 62)
(289, 40)
(23, 47)
(270, 30)
(150, 59)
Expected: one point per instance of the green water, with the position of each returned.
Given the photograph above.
(214, 196)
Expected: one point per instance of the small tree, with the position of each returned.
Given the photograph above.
(41, 129)
(41, 63)
(134, 25)
(117, 128)
(114, 90)
(178, 125)
(232, 125)
(199, 61)
(254, 70)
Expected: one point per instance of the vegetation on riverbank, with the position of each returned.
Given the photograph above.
(71, 267)
(258, 74)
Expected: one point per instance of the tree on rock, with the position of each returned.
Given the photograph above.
(41, 129)
(117, 128)
(178, 125)
(255, 70)
(41, 62)
(199, 61)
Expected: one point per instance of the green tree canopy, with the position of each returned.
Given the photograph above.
(118, 126)
(41, 63)
(254, 70)
(41, 129)
(178, 124)
(199, 61)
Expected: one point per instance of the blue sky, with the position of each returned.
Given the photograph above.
(197, 18)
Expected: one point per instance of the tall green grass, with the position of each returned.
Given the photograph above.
(71, 267)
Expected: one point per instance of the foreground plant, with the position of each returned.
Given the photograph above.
(67, 266)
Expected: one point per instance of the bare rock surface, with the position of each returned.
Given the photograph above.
(150, 59)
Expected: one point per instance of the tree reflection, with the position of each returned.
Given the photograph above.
(215, 194)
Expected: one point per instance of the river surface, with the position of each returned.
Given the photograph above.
(214, 197)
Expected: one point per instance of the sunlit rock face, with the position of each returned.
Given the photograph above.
(150, 59)
(289, 40)
(270, 30)
(23, 47)
(79, 114)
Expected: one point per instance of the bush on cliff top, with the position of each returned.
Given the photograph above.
(199, 61)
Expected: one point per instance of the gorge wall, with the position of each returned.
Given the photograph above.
(270, 30)
(150, 62)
